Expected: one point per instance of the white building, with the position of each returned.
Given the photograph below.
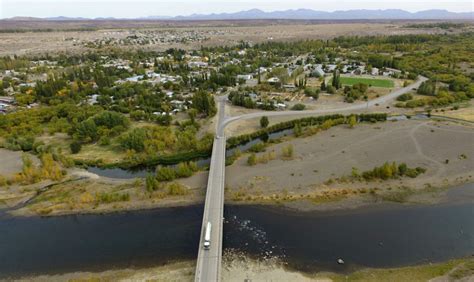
(273, 80)
(244, 76)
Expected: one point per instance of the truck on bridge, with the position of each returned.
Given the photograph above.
(207, 237)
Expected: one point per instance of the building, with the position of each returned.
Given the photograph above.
(318, 72)
(375, 71)
(273, 80)
(244, 77)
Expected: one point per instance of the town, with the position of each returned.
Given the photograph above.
(159, 148)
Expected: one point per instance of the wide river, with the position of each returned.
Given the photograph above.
(382, 236)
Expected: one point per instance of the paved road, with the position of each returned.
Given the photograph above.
(209, 261)
(379, 101)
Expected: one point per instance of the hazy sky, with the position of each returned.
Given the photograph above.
(141, 8)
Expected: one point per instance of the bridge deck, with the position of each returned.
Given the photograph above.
(209, 261)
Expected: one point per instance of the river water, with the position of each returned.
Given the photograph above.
(381, 236)
(141, 172)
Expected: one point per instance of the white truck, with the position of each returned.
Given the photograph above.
(207, 236)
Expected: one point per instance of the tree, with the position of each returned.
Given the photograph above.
(336, 80)
(87, 131)
(264, 122)
(134, 140)
(204, 103)
(75, 147)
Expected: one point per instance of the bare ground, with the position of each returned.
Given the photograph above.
(219, 34)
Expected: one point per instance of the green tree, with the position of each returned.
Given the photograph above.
(75, 147)
(264, 122)
(134, 140)
(336, 79)
(204, 103)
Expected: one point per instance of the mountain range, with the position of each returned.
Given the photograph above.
(308, 14)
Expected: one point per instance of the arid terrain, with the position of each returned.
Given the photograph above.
(74, 37)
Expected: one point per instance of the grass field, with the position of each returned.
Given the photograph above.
(369, 81)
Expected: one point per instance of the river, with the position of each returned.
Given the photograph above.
(141, 172)
(381, 236)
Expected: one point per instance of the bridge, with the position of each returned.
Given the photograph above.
(209, 260)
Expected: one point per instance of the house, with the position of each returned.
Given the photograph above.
(359, 70)
(4, 106)
(280, 106)
(198, 64)
(93, 99)
(289, 86)
(134, 78)
(244, 77)
(331, 68)
(177, 104)
(253, 96)
(273, 80)
(318, 72)
(7, 100)
(242, 52)
(375, 71)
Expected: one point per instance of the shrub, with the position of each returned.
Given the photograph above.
(152, 183)
(184, 170)
(176, 189)
(298, 107)
(288, 151)
(405, 97)
(75, 147)
(112, 197)
(252, 160)
(165, 174)
(258, 147)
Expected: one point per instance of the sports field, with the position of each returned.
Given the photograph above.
(369, 81)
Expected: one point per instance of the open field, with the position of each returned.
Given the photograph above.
(375, 82)
(466, 112)
(66, 39)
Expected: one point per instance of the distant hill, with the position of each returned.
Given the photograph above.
(301, 14)
(307, 14)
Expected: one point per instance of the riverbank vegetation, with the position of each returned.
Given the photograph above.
(31, 173)
(387, 171)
